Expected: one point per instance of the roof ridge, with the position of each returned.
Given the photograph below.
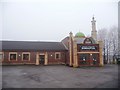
(24, 45)
(29, 41)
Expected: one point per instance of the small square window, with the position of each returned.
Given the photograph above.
(57, 55)
(26, 56)
(13, 56)
(1, 56)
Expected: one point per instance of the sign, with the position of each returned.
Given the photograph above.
(88, 48)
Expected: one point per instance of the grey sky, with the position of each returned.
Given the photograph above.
(52, 20)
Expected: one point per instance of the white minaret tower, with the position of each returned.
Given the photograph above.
(94, 31)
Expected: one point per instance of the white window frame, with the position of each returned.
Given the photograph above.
(25, 53)
(13, 53)
(59, 55)
(2, 53)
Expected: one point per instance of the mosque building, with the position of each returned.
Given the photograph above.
(74, 51)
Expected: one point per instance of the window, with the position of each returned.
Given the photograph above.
(25, 56)
(84, 59)
(1, 56)
(57, 55)
(88, 41)
(95, 59)
(12, 56)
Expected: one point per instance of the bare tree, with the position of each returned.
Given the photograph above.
(110, 42)
(102, 36)
(113, 41)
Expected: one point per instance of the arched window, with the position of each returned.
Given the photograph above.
(87, 41)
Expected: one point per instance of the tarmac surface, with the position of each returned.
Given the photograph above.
(59, 76)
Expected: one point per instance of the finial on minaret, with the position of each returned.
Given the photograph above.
(93, 17)
(70, 33)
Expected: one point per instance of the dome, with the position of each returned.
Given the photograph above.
(79, 34)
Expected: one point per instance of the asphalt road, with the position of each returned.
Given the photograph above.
(30, 76)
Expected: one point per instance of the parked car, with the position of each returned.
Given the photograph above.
(118, 59)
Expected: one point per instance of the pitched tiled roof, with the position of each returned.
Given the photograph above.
(32, 45)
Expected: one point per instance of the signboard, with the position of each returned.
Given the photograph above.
(87, 47)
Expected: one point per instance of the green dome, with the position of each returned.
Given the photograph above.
(79, 34)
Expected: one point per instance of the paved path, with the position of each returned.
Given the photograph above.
(30, 76)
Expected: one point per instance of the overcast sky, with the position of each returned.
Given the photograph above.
(52, 20)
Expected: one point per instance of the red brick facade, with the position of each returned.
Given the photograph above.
(50, 54)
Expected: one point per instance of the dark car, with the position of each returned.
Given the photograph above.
(118, 59)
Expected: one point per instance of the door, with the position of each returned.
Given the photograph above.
(84, 59)
(41, 59)
(94, 59)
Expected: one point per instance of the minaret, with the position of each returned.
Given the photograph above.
(94, 32)
(71, 48)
